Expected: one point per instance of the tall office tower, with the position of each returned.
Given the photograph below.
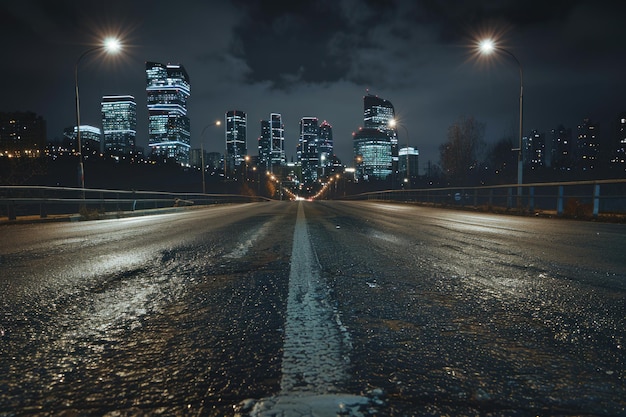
(562, 149)
(309, 148)
(277, 135)
(325, 148)
(22, 134)
(587, 145)
(90, 140)
(168, 125)
(376, 144)
(265, 146)
(236, 133)
(119, 125)
(377, 114)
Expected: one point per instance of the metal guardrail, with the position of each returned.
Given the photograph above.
(88, 203)
(573, 199)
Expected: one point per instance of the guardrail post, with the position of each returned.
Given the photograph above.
(596, 200)
(559, 202)
(490, 198)
(43, 210)
(11, 211)
(531, 199)
(509, 198)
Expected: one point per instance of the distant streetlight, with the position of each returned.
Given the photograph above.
(110, 46)
(487, 47)
(393, 123)
(215, 123)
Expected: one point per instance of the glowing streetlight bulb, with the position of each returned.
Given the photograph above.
(486, 46)
(112, 45)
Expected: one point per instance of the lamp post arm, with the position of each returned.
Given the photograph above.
(80, 58)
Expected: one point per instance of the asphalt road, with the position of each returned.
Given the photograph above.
(323, 308)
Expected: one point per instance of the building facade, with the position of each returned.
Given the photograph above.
(308, 149)
(326, 148)
(408, 164)
(119, 125)
(618, 159)
(169, 131)
(372, 154)
(535, 157)
(90, 138)
(22, 134)
(588, 146)
(277, 140)
(235, 125)
(265, 146)
(562, 148)
(378, 113)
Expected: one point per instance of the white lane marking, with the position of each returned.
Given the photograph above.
(313, 364)
(312, 358)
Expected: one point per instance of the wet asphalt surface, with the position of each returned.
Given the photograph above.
(448, 313)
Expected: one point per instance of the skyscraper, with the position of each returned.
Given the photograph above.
(377, 113)
(326, 146)
(119, 125)
(168, 89)
(309, 148)
(277, 135)
(265, 146)
(376, 145)
(236, 133)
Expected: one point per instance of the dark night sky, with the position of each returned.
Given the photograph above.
(317, 58)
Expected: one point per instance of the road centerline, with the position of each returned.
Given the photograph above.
(313, 365)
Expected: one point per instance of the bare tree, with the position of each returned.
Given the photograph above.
(18, 171)
(459, 154)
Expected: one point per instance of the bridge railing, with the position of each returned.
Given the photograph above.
(572, 199)
(42, 201)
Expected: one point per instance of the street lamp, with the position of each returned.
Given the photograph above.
(393, 123)
(247, 160)
(215, 123)
(110, 46)
(487, 47)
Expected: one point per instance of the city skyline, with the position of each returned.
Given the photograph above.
(416, 54)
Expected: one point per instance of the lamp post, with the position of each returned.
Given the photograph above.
(393, 123)
(247, 160)
(111, 46)
(215, 123)
(487, 47)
